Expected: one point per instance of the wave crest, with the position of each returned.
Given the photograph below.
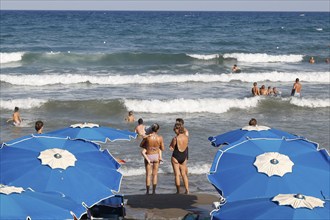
(310, 103)
(11, 57)
(51, 79)
(189, 105)
(204, 56)
(27, 103)
(264, 58)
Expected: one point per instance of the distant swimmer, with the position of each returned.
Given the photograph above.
(270, 91)
(16, 118)
(253, 122)
(255, 89)
(39, 125)
(263, 90)
(296, 88)
(130, 117)
(311, 60)
(327, 60)
(140, 129)
(276, 92)
(235, 69)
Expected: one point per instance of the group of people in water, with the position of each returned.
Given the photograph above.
(256, 91)
(262, 91)
(152, 145)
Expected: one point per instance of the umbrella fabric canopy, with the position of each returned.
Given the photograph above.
(83, 172)
(234, 171)
(265, 208)
(249, 132)
(16, 203)
(93, 132)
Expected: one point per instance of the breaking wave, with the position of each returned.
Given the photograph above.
(204, 56)
(264, 58)
(208, 105)
(51, 79)
(11, 57)
(22, 103)
(128, 58)
(189, 105)
(310, 103)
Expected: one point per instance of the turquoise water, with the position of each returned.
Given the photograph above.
(66, 67)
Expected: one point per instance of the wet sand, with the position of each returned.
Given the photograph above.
(169, 206)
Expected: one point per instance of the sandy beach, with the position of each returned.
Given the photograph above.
(169, 206)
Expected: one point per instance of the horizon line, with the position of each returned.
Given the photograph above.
(151, 10)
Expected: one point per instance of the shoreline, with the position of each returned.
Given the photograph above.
(169, 206)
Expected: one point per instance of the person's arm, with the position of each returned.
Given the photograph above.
(143, 143)
(161, 146)
(186, 132)
(173, 143)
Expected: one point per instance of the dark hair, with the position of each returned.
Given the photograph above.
(16, 109)
(140, 121)
(253, 122)
(180, 120)
(155, 127)
(38, 125)
(179, 127)
(130, 113)
(297, 80)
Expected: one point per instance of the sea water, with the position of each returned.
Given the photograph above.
(67, 67)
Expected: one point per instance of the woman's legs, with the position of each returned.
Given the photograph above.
(148, 175)
(184, 174)
(154, 176)
(176, 170)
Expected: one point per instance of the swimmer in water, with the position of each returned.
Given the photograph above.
(16, 118)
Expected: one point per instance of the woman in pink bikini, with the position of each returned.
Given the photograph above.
(153, 143)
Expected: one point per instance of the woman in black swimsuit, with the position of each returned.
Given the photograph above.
(179, 146)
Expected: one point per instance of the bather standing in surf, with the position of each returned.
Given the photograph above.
(153, 144)
(179, 146)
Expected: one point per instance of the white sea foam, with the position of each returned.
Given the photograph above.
(264, 58)
(204, 56)
(126, 171)
(220, 105)
(50, 79)
(319, 29)
(310, 102)
(194, 169)
(22, 103)
(199, 169)
(10, 57)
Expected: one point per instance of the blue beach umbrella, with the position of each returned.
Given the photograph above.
(17, 203)
(249, 132)
(265, 208)
(264, 167)
(75, 168)
(93, 132)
